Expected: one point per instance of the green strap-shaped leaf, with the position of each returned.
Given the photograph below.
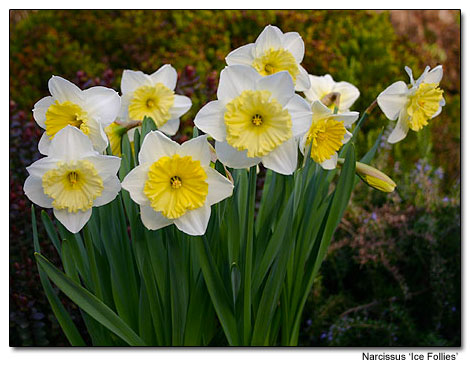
(89, 303)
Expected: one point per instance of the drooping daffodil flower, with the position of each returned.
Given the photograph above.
(327, 134)
(414, 106)
(274, 51)
(153, 96)
(341, 94)
(73, 178)
(90, 110)
(256, 119)
(174, 183)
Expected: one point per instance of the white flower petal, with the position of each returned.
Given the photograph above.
(40, 109)
(106, 165)
(123, 115)
(348, 118)
(44, 143)
(96, 135)
(241, 56)
(63, 90)
(34, 191)
(279, 84)
(134, 183)
(131, 80)
(423, 75)
(302, 83)
(400, 131)
(181, 105)
(198, 149)
(283, 159)
(294, 43)
(41, 166)
(434, 76)
(234, 80)
(219, 187)
(112, 186)
(393, 99)
(410, 74)
(70, 144)
(194, 222)
(102, 103)
(166, 75)
(152, 219)
(73, 221)
(348, 94)
(320, 111)
(232, 157)
(330, 164)
(347, 137)
(155, 146)
(270, 37)
(210, 119)
(170, 127)
(301, 115)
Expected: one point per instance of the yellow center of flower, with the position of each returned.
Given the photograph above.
(73, 185)
(152, 101)
(423, 105)
(326, 137)
(257, 123)
(59, 115)
(276, 60)
(176, 184)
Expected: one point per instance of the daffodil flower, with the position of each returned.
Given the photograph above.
(256, 119)
(90, 110)
(343, 94)
(72, 178)
(153, 96)
(175, 184)
(327, 134)
(413, 106)
(274, 51)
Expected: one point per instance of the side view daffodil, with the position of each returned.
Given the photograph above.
(153, 96)
(413, 106)
(274, 51)
(340, 94)
(327, 134)
(174, 183)
(90, 110)
(256, 119)
(73, 178)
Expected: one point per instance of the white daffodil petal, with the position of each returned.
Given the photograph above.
(283, 159)
(33, 190)
(301, 115)
(232, 157)
(234, 80)
(210, 119)
(347, 137)
(302, 83)
(73, 222)
(131, 80)
(348, 118)
(106, 165)
(170, 127)
(198, 149)
(41, 166)
(63, 90)
(123, 115)
(97, 135)
(194, 222)
(292, 42)
(279, 84)
(241, 56)
(102, 103)
(319, 86)
(400, 131)
(181, 105)
(330, 164)
(166, 75)
(70, 144)
(270, 37)
(423, 75)
(44, 143)
(155, 146)
(134, 183)
(410, 74)
(152, 219)
(434, 76)
(219, 187)
(348, 95)
(40, 109)
(393, 99)
(320, 111)
(112, 186)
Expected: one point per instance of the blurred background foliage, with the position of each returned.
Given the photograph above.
(392, 275)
